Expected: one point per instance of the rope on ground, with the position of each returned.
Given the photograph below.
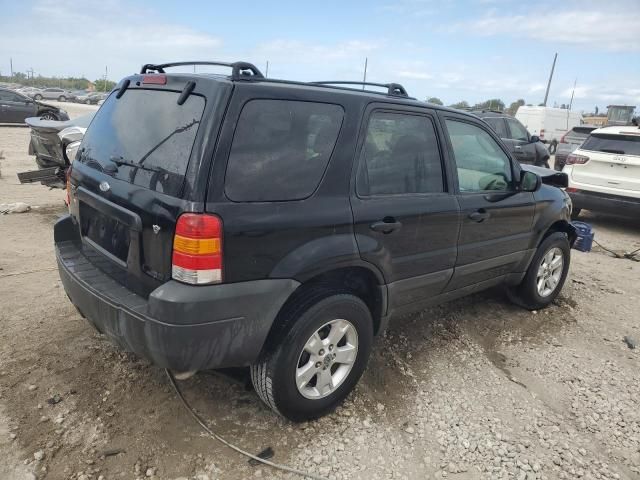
(214, 435)
(634, 255)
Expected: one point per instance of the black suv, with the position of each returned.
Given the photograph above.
(225, 221)
(524, 147)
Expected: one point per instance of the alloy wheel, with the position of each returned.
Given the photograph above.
(326, 359)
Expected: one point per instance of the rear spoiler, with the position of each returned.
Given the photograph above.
(550, 177)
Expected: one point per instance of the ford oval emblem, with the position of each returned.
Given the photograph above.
(104, 187)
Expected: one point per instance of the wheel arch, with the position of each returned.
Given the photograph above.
(562, 226)
(356, 279)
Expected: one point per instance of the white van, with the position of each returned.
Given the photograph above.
(548, 123)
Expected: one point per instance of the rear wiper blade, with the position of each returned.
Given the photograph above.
(121, 161)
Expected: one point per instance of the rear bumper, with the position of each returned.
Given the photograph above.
(179, 326)
(605, 203)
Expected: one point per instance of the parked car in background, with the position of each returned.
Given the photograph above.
(15, 107)
(90, 98)
(604, 172)
(242, 221)
(569, 142)
(54, 145)
(548, 123)
(524, 147)
(54, 94)
(29, 91)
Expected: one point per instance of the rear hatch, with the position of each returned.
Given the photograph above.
(614, 161)
(137, 170)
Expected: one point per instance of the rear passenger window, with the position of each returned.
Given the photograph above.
(400, 155)
(281, 149)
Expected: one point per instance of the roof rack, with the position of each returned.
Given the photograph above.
(393, 89)
(485, 110)
(239, 70)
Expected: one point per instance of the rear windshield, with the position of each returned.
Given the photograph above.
(581, 131)
(620, 144)
(144, 138)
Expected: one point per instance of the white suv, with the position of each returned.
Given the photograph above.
(604, 173)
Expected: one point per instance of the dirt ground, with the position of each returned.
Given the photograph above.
(474, 389)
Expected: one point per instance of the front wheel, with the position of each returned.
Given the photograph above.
(546, 274)
(48, 116)
(552, 147)
(575, 213)
(317, 357)
(37, 97)
(62, 98)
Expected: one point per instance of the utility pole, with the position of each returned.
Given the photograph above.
(266, 72)
(572, 93)
(11, 63)
(364, 77)
(546, 94)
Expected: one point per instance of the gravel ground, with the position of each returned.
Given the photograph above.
(475, 389)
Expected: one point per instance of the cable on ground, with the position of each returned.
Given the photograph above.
(217, 437)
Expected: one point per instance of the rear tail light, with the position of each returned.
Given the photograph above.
(67, 197)
(571, 189)
(541, 133)
(563, 137)
(573, 159)
(197, 249)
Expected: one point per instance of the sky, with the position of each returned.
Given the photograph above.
(469, 50)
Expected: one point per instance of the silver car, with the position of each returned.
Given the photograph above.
(54, 94)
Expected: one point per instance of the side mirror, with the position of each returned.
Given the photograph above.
(529, 181)
(534, 139)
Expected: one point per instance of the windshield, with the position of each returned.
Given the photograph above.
(620, 144)
(144, 138)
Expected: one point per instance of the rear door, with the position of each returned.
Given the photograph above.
(495, 220)
(405, 215)
(522, 148)
(135, 173)
(614, 161)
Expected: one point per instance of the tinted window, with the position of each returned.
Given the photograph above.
(481, 163)
(498, 126)
(518, 132)
(281, 149)
(400, 155)
(620, 144)
(146, 135)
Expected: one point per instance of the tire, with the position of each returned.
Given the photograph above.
(527, 293)
(87, 102)
(37, 97)
(48, 116)
(62, 98)
(274, 374)
(575, 213)
(552, 147)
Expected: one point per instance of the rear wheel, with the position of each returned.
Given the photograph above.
(546, 274)
(37, 97)
(62, 98)
(552, 147)
(322, 348)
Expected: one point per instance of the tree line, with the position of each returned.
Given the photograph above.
(68, 83)
(491, 104)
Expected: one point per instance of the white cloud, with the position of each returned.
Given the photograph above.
(98, 34)
(594, 26)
